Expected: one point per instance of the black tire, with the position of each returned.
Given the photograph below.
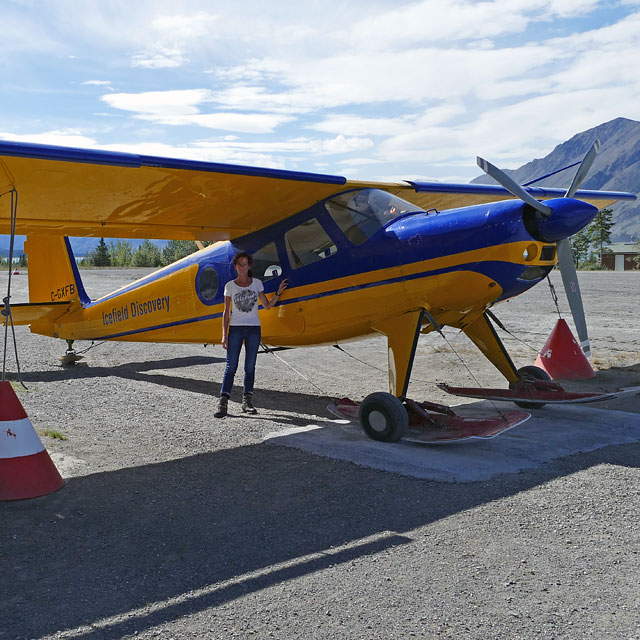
(530, 372)
(383, 417)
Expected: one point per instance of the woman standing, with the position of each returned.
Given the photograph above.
(241, 324)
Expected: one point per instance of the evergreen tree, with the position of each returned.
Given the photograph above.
(100, 257)
(580, 243)
(178, 249)
(147, 255)
(600, 230)
(22, 262)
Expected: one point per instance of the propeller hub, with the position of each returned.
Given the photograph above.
(567, 217)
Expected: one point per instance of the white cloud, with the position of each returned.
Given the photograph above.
(436, 21)
(182, 108)
(159, 58)
(63, 138)
(160, 103)
(240, 122)
(280, 154)
(183, 27)
(402, 85)
(358, 126)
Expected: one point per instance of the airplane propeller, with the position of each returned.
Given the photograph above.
(565, 259)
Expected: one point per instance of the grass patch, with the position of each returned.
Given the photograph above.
(16, 386)
(56, 435)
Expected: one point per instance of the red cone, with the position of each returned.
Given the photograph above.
(16, 272)
(562, 358)
(26, 470)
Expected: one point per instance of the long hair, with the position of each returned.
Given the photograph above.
(244, 254)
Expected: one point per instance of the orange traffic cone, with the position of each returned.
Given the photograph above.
(562, 358)
(26, 470)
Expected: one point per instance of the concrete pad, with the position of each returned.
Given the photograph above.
(552, 432)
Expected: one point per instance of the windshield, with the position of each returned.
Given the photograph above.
(361, 213)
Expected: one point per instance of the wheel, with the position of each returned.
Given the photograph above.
(531, 372)
(383, 417)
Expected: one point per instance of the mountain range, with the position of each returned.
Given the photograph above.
(616, 168)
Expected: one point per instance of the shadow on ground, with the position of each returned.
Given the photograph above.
(117, 542)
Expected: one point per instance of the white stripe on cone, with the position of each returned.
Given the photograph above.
(18, 438)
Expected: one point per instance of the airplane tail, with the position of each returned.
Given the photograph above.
(54, 284)
(53, 273)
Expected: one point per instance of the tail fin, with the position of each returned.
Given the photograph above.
(53, 273)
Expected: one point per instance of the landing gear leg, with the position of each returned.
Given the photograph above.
(484, 336)
(383, 416)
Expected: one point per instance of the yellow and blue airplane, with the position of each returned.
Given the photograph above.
(393, 258)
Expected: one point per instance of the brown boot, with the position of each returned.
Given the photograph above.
(247, 403)
(223, 402)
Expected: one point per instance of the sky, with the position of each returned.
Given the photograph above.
(374, 90)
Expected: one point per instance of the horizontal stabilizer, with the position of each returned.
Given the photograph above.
(29, 312)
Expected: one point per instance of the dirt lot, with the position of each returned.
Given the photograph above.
(175, 525)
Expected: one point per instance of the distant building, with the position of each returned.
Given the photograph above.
(621, 256)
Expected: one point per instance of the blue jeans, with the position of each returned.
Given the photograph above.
(251, 337)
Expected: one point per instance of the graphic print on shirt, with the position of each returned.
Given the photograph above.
(245, 300)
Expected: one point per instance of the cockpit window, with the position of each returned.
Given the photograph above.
(308, 243)
(361, 213)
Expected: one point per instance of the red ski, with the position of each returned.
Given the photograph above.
(536, 393)
(435, 423)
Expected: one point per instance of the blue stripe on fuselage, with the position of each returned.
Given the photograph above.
(408, 240)
(488, 268)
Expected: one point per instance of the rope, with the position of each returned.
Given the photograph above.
(554, 295)
(464, 364)
(346, 353)
(92, 346)
(315, 386)
(500, 325)
(6, 310)
(413, 378)
(385, 371)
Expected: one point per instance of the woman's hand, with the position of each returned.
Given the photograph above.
(225, 342)
(283, 285)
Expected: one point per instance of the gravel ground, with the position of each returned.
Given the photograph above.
(175, 525)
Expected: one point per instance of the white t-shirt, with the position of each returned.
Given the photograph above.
(244, 303)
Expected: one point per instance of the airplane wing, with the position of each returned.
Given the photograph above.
(81, 192)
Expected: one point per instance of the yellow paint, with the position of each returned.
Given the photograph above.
(481, 334)
(164, 306)
(348, 309)
(78, 199)
(401, 332)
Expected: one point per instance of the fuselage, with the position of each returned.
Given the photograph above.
(350, 261)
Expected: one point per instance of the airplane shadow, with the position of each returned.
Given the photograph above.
(152, 371)
(154, 543)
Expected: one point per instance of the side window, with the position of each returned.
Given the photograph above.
(207, 284)
(266, 263)
(308, 243)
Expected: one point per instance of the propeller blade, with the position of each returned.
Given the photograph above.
(583, 169)
(512, 186)
(572, 289)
